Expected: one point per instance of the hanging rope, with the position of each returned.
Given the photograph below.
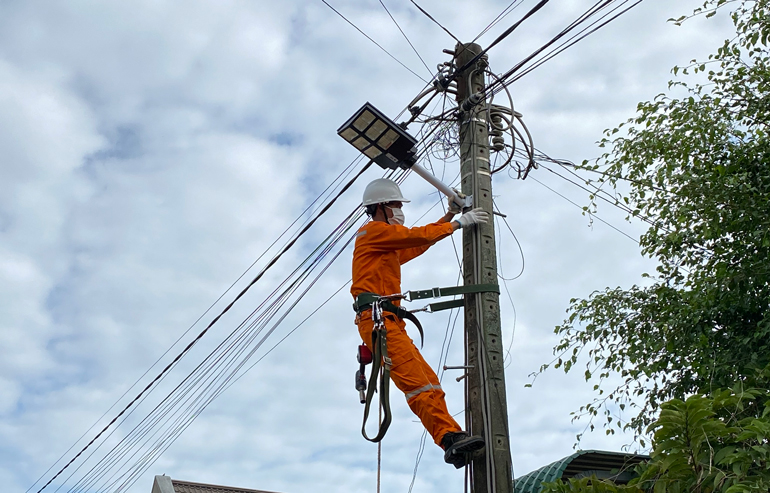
(379, 457)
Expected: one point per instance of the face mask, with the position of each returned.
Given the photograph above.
(398, 216)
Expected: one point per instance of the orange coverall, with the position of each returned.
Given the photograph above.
(380, 250)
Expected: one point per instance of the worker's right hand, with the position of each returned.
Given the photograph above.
(452, 206)
(475, 216)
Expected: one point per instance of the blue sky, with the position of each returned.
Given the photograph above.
(152, 150)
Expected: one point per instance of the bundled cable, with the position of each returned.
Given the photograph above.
(599, 15)
(109, 462)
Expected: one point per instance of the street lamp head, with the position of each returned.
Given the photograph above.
(379, 138)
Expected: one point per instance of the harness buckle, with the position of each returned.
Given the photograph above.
(388, 362)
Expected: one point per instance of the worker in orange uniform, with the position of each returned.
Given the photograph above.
(382, 246)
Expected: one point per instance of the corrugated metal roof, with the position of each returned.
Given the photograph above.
(188, 487)
(606, 465)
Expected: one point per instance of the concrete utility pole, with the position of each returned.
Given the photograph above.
(486, 411)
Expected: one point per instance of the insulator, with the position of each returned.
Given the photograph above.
(497, 122)
(498, 143)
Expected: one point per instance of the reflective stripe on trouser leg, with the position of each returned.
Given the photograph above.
(428, 387)
(413, 376)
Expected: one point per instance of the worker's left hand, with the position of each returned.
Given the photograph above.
(473, 217)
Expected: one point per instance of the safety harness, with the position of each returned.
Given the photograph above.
(365, 301)
(381, 365)
(381, 362)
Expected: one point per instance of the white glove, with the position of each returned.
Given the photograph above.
(452, 206)
(475, 216)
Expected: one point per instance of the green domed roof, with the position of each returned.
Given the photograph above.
(605, 465)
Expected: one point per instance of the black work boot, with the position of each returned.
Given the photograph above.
(459, 447)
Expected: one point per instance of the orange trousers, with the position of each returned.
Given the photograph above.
(412, 375)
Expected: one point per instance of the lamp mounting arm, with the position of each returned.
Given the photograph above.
(463, 202)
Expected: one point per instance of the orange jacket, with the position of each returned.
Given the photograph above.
(380, 250)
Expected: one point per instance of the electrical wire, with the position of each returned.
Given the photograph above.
(578, 37)
(502, 15)
(375, 42)
(118, 451)
(406, 38)
(518, 245)
(141, 436)
(193, 383)
(435, 21)
(612, 201)
(202, 333)
(445, 345)
(591, 13)
(592, 215)
(565, 163)
(252, 351)
(327, 189)
(232, 285)
(224, 361)
(504, 35)
(443, 355)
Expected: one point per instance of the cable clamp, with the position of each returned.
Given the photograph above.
(472, 101)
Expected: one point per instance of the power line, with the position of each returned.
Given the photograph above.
(434, 20)
(502, 15)
(504, 35)
(518, 244)
(179, 425)
(220, 361)
(373, 41)
(600, 195)
(202, 333)
(596, 193)
(579, 207)
(309, 207)
(232, 373)
(615, 202)
(577, 38)
(217, 358)
(406, 38)
(440, 373)
(589, 14)
(565, 163)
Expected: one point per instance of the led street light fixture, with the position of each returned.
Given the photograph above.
(381, 139)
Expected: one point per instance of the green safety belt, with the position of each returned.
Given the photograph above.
(451, 291)
(380, 359)
(364, 302)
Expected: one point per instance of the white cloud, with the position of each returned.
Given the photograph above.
(152, 150)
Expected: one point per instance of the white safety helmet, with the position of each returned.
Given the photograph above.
(381, 191)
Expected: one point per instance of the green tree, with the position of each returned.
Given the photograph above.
(705, 444)
(698, 168)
